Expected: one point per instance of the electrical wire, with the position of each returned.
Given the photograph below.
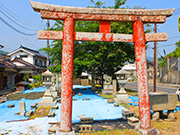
(14, 21)
(6, 23)
(15, 16)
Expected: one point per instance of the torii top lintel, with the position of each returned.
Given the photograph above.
(56, 12)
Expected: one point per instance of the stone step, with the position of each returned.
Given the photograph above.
(55, 107)
(52, 129)
(86, 120)
(33, 106)
(116, 105)
(110, 101)
(126, 114)
(83, 128)
(51, 114)
(28, 113)
(133, 121)
(11, 106)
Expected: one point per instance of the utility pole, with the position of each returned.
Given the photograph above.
(155, 51)
(48, 25)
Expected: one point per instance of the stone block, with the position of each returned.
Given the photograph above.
(116, 105)
(18, 113)
(125, 110)
(155, 116)
(83, 128)
(150, 131)
(54, 93)
(110, 101)
(106, 98)
(86, 99)
(127, 115)
(122, 98)
(33, 106)
(11, 106)
(171, 115)
(108, 87)
(96, 92)
(86, 120)
(51, 114)
(52, 130)
(59, 101)
(107, 92)
(163, 101)
(28, 113)
(133, 121)
(55, 107)
(22, 108)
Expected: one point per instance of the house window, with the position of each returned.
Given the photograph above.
(40, 62)
(35, 62)
(10, 79)
(44, 63)
(24, 56)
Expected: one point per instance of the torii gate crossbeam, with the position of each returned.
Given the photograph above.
(104, 16)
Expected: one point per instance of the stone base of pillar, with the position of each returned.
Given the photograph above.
(151, 131)
(59, 132)
(122, 98)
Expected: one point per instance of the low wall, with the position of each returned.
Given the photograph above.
(163, 101)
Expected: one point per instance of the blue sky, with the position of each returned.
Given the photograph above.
(29, 19)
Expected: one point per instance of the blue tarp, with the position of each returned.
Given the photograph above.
(96, 107)
(39, 89)
(8, 114)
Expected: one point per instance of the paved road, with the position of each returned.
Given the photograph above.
(133, 86)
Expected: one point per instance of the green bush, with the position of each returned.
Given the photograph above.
(37, 78)
(31, 86)
(37, 84)
(26, 77)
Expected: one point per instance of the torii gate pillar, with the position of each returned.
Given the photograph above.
(67, 75)
(141, 70)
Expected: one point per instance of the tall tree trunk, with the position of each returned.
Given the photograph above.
(93, 78)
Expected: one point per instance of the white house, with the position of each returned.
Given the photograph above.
(27, 61)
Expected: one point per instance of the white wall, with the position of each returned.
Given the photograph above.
(29, 59)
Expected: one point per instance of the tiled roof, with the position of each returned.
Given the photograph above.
(32, 51)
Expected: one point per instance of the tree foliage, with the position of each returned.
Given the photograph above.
(175, 53)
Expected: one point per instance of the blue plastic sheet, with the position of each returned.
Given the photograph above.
(39, 89)
(96, 107)
(8, 114)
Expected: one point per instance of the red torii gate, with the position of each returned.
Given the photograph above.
(104, 16)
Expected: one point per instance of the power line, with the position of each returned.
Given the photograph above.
(174, 37)
(15, 16)
(14, 21)
(16, 29)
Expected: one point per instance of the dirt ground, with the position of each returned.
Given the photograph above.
(164, 126)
